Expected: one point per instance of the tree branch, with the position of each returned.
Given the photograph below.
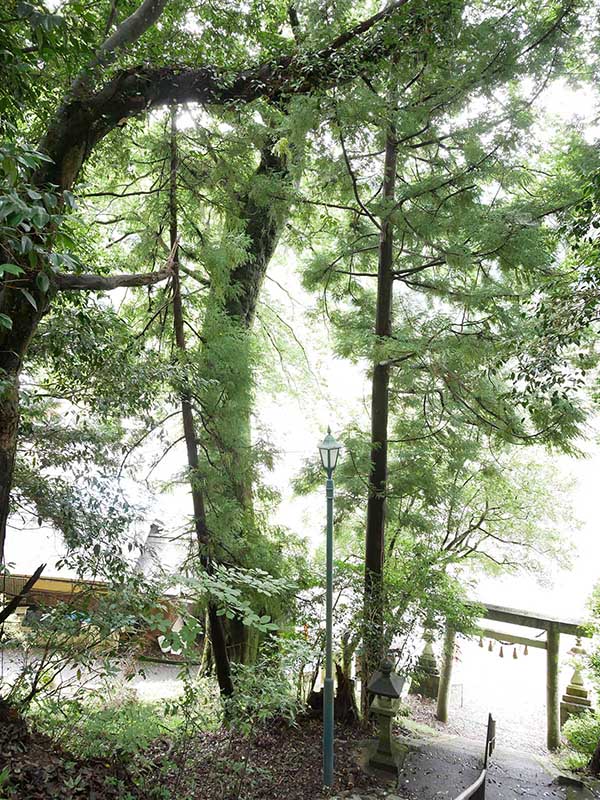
(91, 282)
(82, 122)
(128, 32)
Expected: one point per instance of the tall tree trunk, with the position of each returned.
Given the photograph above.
(263, 225)
(263, 228)
(9, 424)
(373, 627)
(262, 221)
(217, 635)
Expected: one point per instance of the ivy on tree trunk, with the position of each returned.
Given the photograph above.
(217, 635)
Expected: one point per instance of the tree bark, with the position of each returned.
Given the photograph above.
(106, 283)
(9, 425)
(595, 762)
(373, 626)
(13, 346)
(263, 230)
(217, 634)
(345, 701)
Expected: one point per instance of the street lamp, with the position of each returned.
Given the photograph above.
(329, 450)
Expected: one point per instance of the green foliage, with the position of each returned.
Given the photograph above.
(240, 595)
(560, 342)
(28, 219)
(265, 690)
(476, 246)
(582, 733)
(28, 31)
(96, 728)
(477, 263)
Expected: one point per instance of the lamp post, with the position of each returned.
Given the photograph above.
(329, 450)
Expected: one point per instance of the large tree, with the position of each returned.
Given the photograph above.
(430, 177)
(101, 91)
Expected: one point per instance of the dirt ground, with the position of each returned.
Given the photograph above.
(277, 761)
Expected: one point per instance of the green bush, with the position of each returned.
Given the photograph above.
(103, 730)
(582, 732)
(264, 690)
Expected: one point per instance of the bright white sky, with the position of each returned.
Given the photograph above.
(295, 423)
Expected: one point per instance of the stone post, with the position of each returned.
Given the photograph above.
(446, 676)
(552, 695)
(385, 754)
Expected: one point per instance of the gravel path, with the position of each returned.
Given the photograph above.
(151, 682)
(513, 690)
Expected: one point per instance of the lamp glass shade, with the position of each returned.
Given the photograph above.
(329, 450)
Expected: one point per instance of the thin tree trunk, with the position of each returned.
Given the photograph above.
(217, 635)
(373, 629)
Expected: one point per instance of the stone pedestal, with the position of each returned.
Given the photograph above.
(385, 754)
(426, 681)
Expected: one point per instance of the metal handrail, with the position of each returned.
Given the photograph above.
(490, 740)
(477, 789)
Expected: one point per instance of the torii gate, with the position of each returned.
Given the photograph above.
(553, 627)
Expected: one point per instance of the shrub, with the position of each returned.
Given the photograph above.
(582, 732)
(263, 691)
(96, 729)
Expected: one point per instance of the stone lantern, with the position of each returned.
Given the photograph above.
(576, 699)
(387, 688)
(426, 681)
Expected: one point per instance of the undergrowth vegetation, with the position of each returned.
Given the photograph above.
(582, 734)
